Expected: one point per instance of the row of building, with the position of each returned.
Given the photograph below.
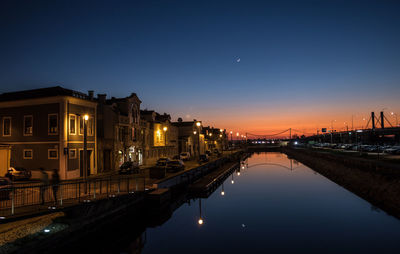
(49, 128)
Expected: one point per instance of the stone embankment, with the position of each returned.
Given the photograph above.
(375, 181)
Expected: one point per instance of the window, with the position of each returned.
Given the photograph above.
(52, 154)
(72, 153)
(72, 124)
(53, 124)
(6, 126)
(28, 154)
(28, 125)
(90, 122)
(81, 125)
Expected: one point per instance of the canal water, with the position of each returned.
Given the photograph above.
(274, 205)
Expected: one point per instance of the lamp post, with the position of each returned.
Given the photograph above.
(165, 139)
(237, 136)
(198, 124)
(231, 137)
(85, 168)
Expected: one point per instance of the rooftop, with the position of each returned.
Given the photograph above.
(42, 92)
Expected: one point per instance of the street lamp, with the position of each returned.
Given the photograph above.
(165, 128)
(198, 124)
(85, 167)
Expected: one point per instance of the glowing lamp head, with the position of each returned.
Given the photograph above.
(220, 135)
(222, 193)
(232, 182)
(165, 128)
(238, 173)
(237, 134)
(210, 134)
(86, 117)
(200, 221)
(221, 130)
(230, 132)
(198, 124)
(195, 132)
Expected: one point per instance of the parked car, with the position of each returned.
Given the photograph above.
(393, 150)
(175, 165)
(129, 167)
(18, 173)
(162, 162)
(5, 188)
(185, 156)
(203, 158)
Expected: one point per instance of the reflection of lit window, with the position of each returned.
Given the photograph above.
(53, 123)
(28, 125)
(6, 126)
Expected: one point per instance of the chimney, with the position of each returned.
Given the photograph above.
(90, 94)
(102, 97)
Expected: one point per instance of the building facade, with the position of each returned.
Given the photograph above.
(159, 136)
(119, 134)
(45, 128)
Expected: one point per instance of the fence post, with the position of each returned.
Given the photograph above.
(119, 180)
(61, 198)
(12, 201)
(94, 188)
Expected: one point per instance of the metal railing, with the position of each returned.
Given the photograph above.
(32, 198)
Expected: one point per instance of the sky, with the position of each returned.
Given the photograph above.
(247, 66)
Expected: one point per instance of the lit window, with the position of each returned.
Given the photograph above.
(81, 125)
(7, 126)
(53, 124)
(90, 126)
(28, 125)
(72, 124)
(52, 154)
(28, 154)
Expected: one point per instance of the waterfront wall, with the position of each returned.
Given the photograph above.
(376, 182)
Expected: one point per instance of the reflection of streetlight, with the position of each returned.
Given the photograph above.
(200, 221)
(232, 181)
(222, 191)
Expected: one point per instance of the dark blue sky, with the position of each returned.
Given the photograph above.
(299, 60)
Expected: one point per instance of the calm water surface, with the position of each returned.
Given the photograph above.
(276, 205)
